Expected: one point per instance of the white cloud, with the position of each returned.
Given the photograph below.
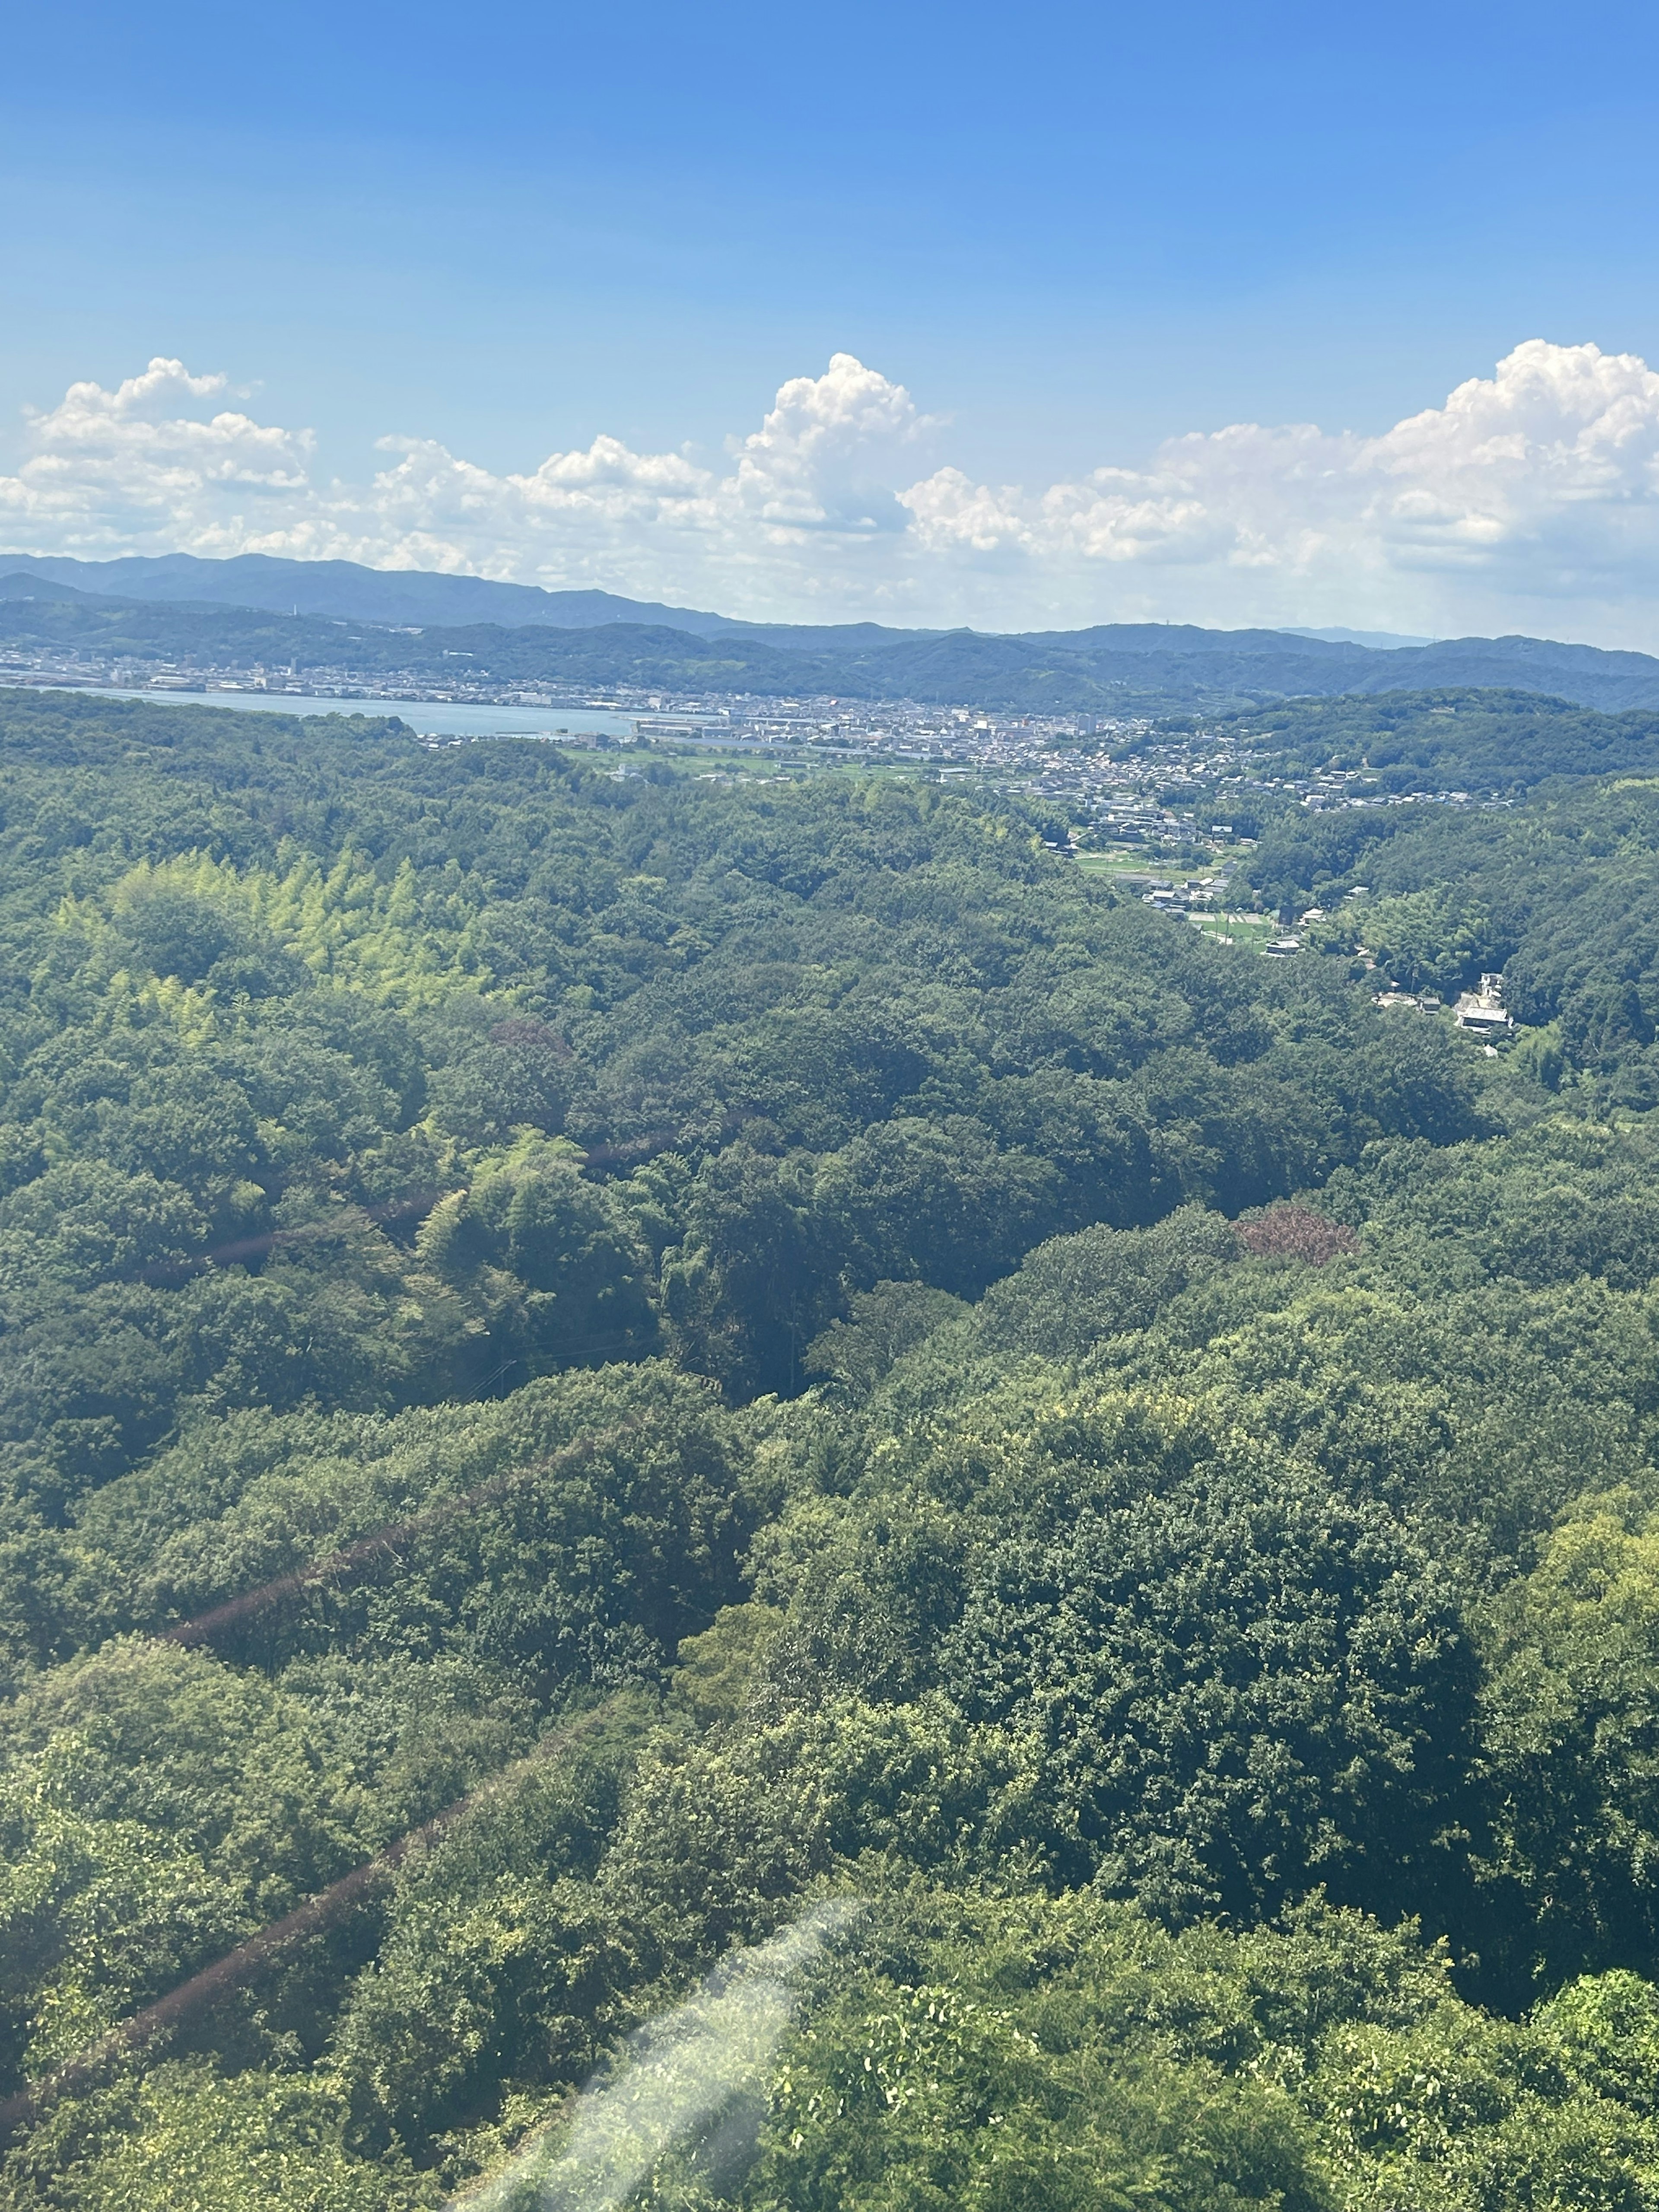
(817, 460)
(1527, 500)
(138, 467)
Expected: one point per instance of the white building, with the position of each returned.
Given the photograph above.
(1482, 1012)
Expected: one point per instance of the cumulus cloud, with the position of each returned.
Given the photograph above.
(825, 457)
(1528, 499)
(139, 466)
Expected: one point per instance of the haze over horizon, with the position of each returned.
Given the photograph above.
(924, 319)
(1528, 500)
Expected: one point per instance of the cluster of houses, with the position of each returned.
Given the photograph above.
(1481, 1013)
(1170, 898)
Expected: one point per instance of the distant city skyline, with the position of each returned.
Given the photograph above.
(596, 279)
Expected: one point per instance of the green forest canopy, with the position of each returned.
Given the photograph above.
(1447, 739)
(796, 1346)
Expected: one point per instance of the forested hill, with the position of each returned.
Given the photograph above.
(1121, 668)
(1561, 896)
(590, 1361)
(1476, 740)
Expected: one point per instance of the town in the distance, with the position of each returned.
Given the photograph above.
(1154, 754)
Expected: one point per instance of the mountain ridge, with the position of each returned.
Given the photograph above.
(336, 590)
(1107, 668)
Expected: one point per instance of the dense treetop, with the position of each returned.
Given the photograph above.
(1447, 739)
(780, 1341)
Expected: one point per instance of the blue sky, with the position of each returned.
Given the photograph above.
(1070, 234)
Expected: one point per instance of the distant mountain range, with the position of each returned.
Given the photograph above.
(340, 590)
(292, 613)
(1384, 640)
(343, 588)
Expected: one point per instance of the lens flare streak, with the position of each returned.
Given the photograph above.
(694, 2081)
